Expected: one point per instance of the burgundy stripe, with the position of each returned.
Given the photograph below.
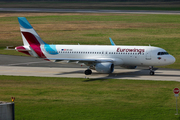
(31, 38)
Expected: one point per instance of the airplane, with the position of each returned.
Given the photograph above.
(101, 58)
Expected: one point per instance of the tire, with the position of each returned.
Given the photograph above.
(88, 72)
(151, 72)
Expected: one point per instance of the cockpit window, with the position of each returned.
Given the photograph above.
(163, 53)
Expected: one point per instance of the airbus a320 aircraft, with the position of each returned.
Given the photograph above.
(101, 58)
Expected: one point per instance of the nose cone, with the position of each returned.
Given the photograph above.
(172, 60)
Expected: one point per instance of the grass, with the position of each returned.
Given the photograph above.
(70, 98)
(125, 29)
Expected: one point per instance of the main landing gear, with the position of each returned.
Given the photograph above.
(151, 70)
(88, 72)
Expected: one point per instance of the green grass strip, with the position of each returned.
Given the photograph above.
(89, 99)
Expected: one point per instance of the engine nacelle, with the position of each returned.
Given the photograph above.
(104, 67)
(129, 67)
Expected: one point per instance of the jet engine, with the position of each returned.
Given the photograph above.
(104, 67)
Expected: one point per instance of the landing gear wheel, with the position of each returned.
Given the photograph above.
(151, 73)
(151, 70)
(88, 72)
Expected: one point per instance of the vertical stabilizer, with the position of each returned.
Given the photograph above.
(31, 40)
(29, 35)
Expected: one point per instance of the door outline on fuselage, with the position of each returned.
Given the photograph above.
(148, 54)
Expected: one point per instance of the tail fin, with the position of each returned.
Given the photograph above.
(29, 35)
(31, 40)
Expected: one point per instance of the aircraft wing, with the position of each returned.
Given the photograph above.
(81, 60)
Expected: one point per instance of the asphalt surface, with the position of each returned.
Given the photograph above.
(10, 60)
(86, 11)
(29, 66)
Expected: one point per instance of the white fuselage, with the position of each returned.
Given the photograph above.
(121, 55)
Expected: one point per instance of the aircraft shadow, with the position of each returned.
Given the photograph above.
(73, 72)
(117, 75)
(132, 74)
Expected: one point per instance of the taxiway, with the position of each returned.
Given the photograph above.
(43, 10)
(29, 66)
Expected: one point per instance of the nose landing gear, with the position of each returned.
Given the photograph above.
(151, 70)
(151, 73)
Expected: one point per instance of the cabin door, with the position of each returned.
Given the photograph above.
(148, 54)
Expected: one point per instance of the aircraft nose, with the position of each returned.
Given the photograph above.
(172, 59)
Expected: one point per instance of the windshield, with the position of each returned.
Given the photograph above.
(163, 53)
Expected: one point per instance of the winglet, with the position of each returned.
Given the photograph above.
(112, 43)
